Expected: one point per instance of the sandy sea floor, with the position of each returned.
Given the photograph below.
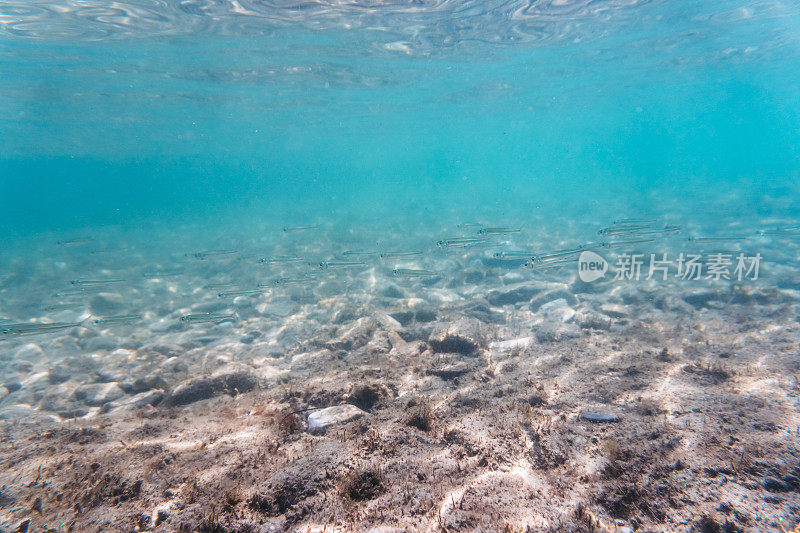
(488, 397)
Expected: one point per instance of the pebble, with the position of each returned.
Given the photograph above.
(224, 381)
(449, 372)
(614, 311)
(32, 352)
(97, 394)
(592, 320)
(592, 416)
(25, 414)
(552, 295)
(319, 421)
(555, 332)
(22, 366)
(512, 296)
(278, 308)
(776, 485)
(392, 291)
(512, 344)
(355, 336)
(462, 336)
(152, 397)
(106, 303)
(101, 342)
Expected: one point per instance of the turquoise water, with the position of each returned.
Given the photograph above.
(221, 219)
(207, 114)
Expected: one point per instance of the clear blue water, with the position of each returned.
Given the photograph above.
(216, 113)
(136, 136)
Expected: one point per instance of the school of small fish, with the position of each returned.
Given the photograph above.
(620, 233)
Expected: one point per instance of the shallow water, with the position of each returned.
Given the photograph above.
(155, 156)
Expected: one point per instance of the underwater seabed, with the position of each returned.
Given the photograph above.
(321, 376)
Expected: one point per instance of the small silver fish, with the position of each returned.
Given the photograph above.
(282, 259)
(623, 230)
(785, 230)
(59, 307)
(413, 273)
(212, 253)
(162, 274)
(243, 292)
(77, 291)
(324, 265)
(116, 319)
(395, 255)
(30, 328)
(617, 244)
(287, 281)
(666, 230)
(700, 240)
(208, 317)
(628, 221)
(74, 242)
(95, 282)
(221, 285)
(498, 231)
(292, 229)
(461, 242)
(348, 253)
(512, 254)
(556, 263)
(557, 254)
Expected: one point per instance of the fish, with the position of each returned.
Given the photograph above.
(162, 273)
(395, 255)
(31, 328)
(785, 230)
(624, 230)
(413, 273)
(615, 244)
(77, 291)
(241, 292)
(634, 220)
(116, 319)
(282, 259)
(324, 265)
(460, 242)
(95, 282)
(212, 253)
(287, 281)
(700, 240)
(208, 317)
(59, 307)
(348, 253)
(513, 254)
(663, 231)
(215, 286)
(467, 225)
(75, 242)
(292, 229)
(556, 263)
(557, 254)
(498, 231)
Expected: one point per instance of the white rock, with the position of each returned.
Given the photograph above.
(25, 414)
(319, 421)
(30, 352)
(99, 393)
(106, 303)
(511, 344)
(614, 311)
(555, 304)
